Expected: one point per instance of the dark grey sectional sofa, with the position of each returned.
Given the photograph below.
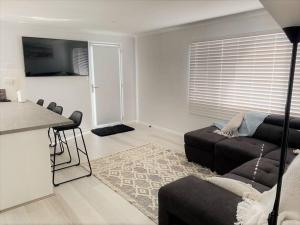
(191, 201)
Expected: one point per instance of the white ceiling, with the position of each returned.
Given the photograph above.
(122, 16)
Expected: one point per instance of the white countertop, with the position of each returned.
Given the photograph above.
(19, 117)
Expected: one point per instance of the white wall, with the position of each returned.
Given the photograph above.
(70, 92)
(163, 67)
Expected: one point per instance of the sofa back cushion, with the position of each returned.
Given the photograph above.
(269, 132)
(295, 123)
(272, 128)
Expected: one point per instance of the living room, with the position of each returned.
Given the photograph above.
(167, 106)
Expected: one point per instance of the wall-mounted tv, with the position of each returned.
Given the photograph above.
(55, 57)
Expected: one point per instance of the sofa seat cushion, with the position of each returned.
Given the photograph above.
(198, 202)
(203, 138)
(243, 148)
(257, 186)
(275, 155)
(233, 152)
(266, 173)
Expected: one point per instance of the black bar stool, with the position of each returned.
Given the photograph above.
(76, 117)
(40, 102)
(51, 107)
(59, 110)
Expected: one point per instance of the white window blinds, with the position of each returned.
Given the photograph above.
(247, 73)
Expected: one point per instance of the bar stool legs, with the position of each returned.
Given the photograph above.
(56, 167)
(62, 148)
(50, 139)
(52, 144)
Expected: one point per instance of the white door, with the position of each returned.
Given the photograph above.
(106, 84)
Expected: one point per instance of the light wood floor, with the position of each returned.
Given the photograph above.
(88, 201)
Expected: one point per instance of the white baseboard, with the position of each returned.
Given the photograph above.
(85, 132)
(130, 121)
(161, 128)
(139, 122)
(115, 123)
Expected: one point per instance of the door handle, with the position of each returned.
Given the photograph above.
(93, 88)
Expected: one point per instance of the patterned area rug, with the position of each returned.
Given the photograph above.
(138, 173)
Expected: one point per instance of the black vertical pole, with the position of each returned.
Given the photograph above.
(284, 144)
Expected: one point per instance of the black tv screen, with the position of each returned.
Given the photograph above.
(55, 57)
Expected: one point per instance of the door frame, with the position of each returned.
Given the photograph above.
(92, 82)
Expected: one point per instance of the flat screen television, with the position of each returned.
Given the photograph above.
(55, 57)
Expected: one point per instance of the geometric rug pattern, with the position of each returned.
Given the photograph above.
(137, 174)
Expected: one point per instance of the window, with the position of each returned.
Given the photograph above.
(247, 73)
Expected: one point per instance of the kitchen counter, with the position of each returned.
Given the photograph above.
(19, 117)
(25, 169)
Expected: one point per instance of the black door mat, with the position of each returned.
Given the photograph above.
(106, 131)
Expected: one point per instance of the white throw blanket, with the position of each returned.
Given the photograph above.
(231, 128)
(243, 124)
(256, 207)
